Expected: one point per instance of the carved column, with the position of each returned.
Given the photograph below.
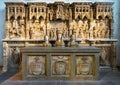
(5, 56)
(113, 57)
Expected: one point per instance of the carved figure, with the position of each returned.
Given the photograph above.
(79, 32)
(15, 56)
(92, 28)
(32, 33)
(22, 31)
(104, 57)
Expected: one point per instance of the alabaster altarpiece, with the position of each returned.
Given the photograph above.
(59, 24)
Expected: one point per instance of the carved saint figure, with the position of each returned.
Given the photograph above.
(79, 32)
(92, 28)
(36, 67)
(32, 33)
(103, 56)
(15, 55)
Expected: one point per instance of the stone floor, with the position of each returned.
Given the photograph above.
(106, 78)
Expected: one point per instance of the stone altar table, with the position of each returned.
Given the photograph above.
(60, 63)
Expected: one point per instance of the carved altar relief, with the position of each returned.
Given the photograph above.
(60, 65)
(37, 30)
(45, 19)
(36, 65)
(84, 65)
(31, 22)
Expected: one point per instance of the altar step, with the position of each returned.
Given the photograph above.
(106, 78)
(104, 68)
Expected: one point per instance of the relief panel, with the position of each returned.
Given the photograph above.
(84, 65)
(60, 65)
(36, 65)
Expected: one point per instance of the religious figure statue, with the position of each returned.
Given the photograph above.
(102, 29)
(103, 56)
(14, 33)
(85, 30)
(79, 32)
(73, 25)
(15, 56)
(32, 33)
(22, 31)
(36, 67)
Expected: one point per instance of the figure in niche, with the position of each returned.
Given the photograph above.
(51, 33)
(36, 67)
(79, 32)
(65, 33)
(107, 26)
(32, 33)
(60, 67)
(85, 29)
(59, 12)
(92, 28)
(41, 33)
(107, 32)
(59, 42)
(14, 33)
(96, 30)
(73, 25)
(102, 29)
(22, 31)
(103, 56)
(15, 58)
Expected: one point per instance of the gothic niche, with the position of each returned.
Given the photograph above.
(14, 59)
(16, 28)
(60, 65)
(104, 56)
(37, 28)
(84, 65)
(36, 65)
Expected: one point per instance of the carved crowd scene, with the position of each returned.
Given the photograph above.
(34, 20)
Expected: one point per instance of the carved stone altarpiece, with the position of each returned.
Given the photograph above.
(28, 23)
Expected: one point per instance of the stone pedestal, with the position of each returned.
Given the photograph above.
(60, 63)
